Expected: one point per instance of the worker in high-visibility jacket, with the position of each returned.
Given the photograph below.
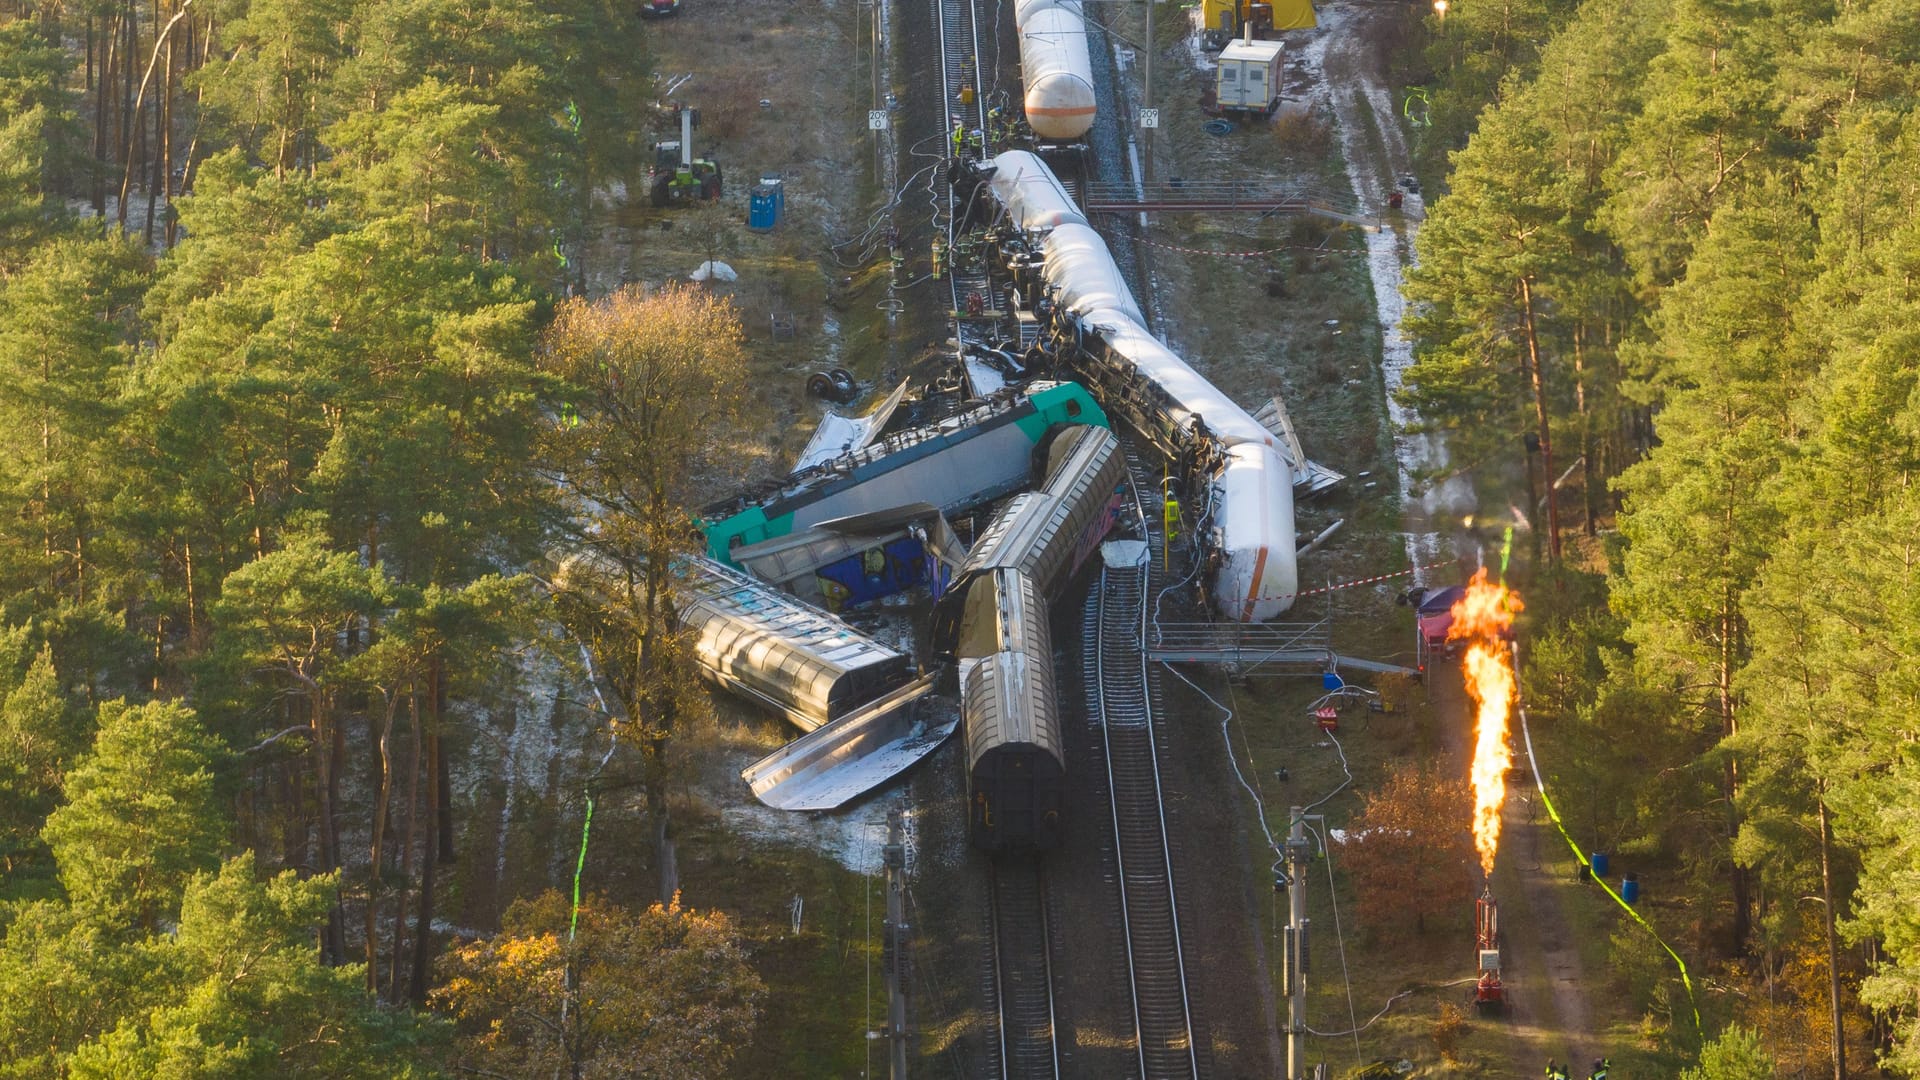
(939, 257)
(1170, 512)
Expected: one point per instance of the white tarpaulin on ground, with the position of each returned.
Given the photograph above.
(839, 435)
(715, 269)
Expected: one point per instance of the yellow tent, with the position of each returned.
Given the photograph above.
(1294, 15)
(1224, 17)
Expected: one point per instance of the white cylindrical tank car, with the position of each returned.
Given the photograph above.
(1034, 198)
(1055, 69)
(1252, 492)
(1078, 262)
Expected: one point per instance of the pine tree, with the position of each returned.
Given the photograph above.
(281, 618)
(248, 995)
(64, 978)
(141, 815)
(1709, 123)
(1699, 520)
(1736, 1054)
(41, 734)
(62, 352)
(1480, 306)
(39, 137)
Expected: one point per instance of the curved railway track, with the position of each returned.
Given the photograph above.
(1119, 690)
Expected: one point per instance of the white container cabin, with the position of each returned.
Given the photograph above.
(1249, 76)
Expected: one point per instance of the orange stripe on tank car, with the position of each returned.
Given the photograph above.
(1078, 110)
(1253, 587)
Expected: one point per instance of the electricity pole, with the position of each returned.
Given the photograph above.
(1294, 960)
(896, 859)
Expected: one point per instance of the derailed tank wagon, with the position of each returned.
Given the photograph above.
(1055, 68)
(1240, 473)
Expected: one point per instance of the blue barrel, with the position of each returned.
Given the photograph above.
(1630, 889)
(1599, 864)
(762, 209)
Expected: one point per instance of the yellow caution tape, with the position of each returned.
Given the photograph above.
(1686, 979)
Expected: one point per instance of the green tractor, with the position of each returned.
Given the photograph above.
(677, 176)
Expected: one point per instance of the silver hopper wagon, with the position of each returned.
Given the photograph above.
(766, 645)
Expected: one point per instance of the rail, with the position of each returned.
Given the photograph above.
(1020, 976)
(960, 67)
(1022, 986)
(1120, 690)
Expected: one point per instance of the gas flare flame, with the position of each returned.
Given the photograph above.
(1482, 618)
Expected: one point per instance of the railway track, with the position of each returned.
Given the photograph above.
(1118, 687)
(1027, 1047)
(1020, 976)
(959, 66)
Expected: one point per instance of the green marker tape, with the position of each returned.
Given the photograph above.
(580, 866)
(1540, 784)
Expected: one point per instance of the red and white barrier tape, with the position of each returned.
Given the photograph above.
(1236, 254)
(1361, 581)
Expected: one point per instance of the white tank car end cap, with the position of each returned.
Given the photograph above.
(1122, 553)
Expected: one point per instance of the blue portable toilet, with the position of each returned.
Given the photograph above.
(762, 210)
(1599, 864)
(767, 203)
(1630, 889)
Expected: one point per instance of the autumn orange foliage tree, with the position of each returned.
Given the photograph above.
(654, 384)
(666, 992)
(1409, 852)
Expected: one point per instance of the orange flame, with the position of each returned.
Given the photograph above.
(1482, 618)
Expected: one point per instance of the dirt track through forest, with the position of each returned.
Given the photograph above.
(1550, 1014)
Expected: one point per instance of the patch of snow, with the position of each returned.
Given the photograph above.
(985, 379)
(853, 837)
(136, 214)
(531, 745)
(1359, 107)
